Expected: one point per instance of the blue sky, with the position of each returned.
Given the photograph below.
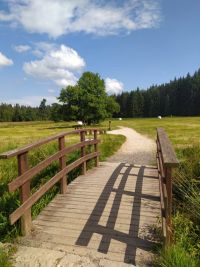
(46, 45)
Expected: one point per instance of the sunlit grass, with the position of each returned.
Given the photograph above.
(182, 131)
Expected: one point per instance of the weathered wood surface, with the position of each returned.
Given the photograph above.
(109, 213)
(166, 161)
(167, 150)
(29, 202)
(26, 176)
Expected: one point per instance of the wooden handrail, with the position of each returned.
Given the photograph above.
(25, 174)
(166, 161)
(168, 154)
(15, 152)
(38, 194)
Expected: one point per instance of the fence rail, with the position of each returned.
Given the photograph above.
(25, 174)
(166, 161)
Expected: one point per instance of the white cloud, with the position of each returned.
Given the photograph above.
(22, 48)
(58, 17)
(41, 48)
(113, 86)
(4, 61)
(60, 65)
(32, 100)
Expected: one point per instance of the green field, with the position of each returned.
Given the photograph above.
(182, 131)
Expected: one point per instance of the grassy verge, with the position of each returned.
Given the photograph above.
(6, 252)
(4, 259)
(176, 256)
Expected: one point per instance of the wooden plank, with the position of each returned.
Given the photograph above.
(169, 156)
(62, 160)
(82, 138)
(26, 176)
(24, 194)
(37, 195)
(162, 205)
(168, 173)
(96, 149)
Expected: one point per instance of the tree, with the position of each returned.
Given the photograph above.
(92, 103)
(43, 109)
(56, 112)
(87, 100)
(112, 106)
(70, 97)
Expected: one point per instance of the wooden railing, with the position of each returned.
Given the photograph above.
(26, 174)
(166, 161)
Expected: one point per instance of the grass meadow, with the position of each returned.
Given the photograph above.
(184, 133)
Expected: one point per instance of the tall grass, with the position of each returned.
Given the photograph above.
(4, 258)
(185, 251)
(176, 256)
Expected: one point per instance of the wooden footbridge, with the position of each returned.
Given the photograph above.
(108, 212)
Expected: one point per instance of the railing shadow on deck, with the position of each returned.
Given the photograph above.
(108, 232)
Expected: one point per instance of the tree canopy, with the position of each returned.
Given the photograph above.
(87, 100)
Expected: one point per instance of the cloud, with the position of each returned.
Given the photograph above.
(4, 61)
(113, 86)
(60, 65)
(32, 100)
(41, 48)
(22, 48)
(58, 17)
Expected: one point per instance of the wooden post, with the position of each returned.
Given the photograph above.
(168, 179)
(96, 149)
(109, 128)
(82, 138)
(62, 160)
(24, 194)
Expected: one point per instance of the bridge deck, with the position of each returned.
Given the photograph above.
(107, 213)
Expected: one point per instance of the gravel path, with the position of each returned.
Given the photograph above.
(137, 149)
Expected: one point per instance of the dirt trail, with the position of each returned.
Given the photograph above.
(137, 149)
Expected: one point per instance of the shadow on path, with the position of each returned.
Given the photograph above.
(109, 232)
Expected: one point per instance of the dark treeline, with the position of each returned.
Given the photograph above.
(180, 97)
(16, 112)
